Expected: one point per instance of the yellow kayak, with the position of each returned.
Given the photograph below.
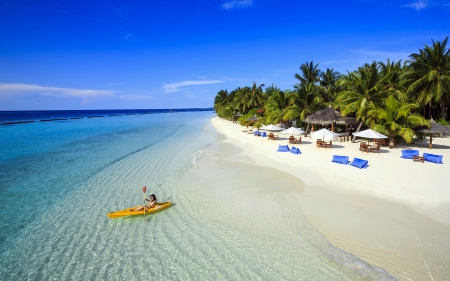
(129, 212)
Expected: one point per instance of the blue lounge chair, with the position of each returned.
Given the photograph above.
(295, 150)
(257, 133)
(433, 158)
(409, 153)
(340, 159)
(359, 163)
(264, 134)
(283, 148)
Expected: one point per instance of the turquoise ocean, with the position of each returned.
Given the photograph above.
(230, 220)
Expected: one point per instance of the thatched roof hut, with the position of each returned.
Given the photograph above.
(435, 128)
(331, 116)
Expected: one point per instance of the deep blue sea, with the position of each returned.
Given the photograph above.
(59, 179)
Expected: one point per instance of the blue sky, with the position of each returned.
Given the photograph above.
(178, 54)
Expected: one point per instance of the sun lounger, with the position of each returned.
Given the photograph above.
(359, 163)
(433, 158)
(295, 150)
(283, 148)
(409, 153)
(340, 159)
(264, 134)
(257, 133)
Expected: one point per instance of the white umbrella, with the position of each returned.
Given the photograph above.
(292, 131)
(370, 134)
(271, 127)
(323, 133)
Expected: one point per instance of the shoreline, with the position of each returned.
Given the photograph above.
(393, 215)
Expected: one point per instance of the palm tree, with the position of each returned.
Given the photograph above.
(328, 81)
(310, 73)
(394, 82)
(277, 105)
(249, 98)
(304, 101)
(429, 75)
(221, 100)
(364, 90)
(396, 119)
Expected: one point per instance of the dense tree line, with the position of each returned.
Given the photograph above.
(390, 97)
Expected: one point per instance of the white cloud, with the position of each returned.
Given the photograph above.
(175, 87)
(418, 5)
(135, 97)
(368, 56)
(237, 4)
(128, 36)
(18, 89)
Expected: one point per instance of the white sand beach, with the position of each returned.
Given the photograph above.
(395, 214)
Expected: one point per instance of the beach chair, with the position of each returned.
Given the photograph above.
(264, 134)
(363, 146)
(283, 148)
(433, 158)
(328, 145)
(376, 148)
(319, 142)
(360, 163)
(340, 159)
(383, 142)
(296, 141)
(409, 153)
(295, 150)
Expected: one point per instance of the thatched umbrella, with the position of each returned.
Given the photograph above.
(327, 116)
(435, 128)
(253, 118)
(237, 115)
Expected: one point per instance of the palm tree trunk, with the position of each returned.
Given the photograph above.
(357, 130)
(430, 111)
(307, 128)
(443, 110)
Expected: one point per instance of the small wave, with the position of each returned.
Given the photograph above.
(197, 157)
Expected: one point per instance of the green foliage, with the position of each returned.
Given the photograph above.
(364, 90)
(390, 96)
(443, 122)
(395, 119)
(428, 75)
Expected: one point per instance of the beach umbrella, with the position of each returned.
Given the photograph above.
(238, 114)
(370, 134)
(435, 128)
(253, 118)
(328, 116)
(292, 131)
(323, 133)
(271, 127)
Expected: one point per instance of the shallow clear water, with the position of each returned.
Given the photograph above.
(230, 220)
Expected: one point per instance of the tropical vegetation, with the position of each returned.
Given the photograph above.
(389, 97)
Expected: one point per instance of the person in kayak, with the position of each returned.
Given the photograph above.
(147, 207)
